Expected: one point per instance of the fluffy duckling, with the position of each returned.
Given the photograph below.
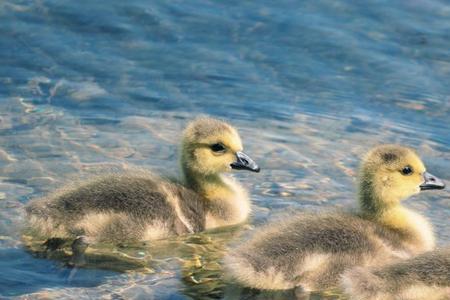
(311, 250)
(423, 277)
(142, 206)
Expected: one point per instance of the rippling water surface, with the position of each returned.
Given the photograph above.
(87, 86)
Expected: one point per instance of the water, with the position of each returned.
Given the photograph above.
(88, 86)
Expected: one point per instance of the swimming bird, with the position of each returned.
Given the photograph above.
(423, 277)
(311, 250)
(141, 206)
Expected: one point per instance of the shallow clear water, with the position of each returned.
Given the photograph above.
(87, 86)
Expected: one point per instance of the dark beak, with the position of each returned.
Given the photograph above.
(244, 162)
(431, 182)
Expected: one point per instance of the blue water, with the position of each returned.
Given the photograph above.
(94, 85)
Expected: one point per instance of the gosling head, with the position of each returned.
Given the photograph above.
(391, 173)
(210, 147)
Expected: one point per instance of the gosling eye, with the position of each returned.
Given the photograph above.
(408, 170)
(219, 148)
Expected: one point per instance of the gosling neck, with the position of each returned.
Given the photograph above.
(209, 185)
(416, 230)
(226, 201)
(373, 203)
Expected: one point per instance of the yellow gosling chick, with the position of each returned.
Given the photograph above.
(312, 250)
(423, 277)
(141, 206)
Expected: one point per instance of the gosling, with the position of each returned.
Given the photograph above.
(310, 251)
(424, 277)
(118, 208)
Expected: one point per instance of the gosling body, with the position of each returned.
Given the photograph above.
(121, 207)
(423, 277)
(141, 206)
(312, 251)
